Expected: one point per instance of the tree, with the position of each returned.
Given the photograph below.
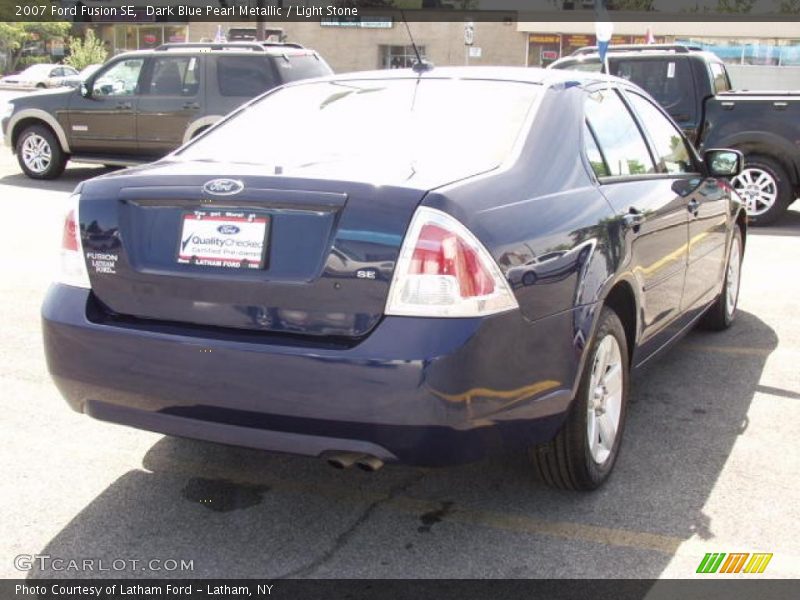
(789, 6)
(735, 6)
(86, 51)
(631, 5)
(15, 35)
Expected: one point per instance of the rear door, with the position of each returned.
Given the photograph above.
(707, 204)
(653, 215)
(105, 122)
(171, 97)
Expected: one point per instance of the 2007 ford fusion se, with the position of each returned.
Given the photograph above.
(416, 266)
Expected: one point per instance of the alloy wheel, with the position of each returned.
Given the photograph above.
(605, 399)
(36, 153)
(758, 189)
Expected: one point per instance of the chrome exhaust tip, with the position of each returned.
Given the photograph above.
(340, 460)
(345, 460)
(369, 463)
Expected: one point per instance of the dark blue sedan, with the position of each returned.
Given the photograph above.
(400, 266)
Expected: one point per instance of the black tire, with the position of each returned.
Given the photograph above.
(785, 191)
(721, 314)
(41, 86)
(58, 159)
(566, 462)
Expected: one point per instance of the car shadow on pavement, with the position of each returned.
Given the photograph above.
(242, 513)
(66, 183)
(788, 224)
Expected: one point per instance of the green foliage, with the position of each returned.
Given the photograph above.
(789, 6)
(26, 61)
(14, 36)
(632, 5)
(735, 6)
(86, 51)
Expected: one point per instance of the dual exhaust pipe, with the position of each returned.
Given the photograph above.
(345, 460)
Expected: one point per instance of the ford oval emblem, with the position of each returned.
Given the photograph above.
(223, 187)
(228, 229)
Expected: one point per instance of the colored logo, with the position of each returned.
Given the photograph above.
(719, 562)
(228, 229)
(223, 187)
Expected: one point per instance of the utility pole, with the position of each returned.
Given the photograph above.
(260, 23)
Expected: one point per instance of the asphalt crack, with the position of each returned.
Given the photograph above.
(343, 538)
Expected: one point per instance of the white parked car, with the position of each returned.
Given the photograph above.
(77, 79)
(40, 76)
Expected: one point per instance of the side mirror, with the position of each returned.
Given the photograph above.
(86, 91)
(723, 163)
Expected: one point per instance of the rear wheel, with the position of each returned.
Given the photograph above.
(765, 188)
(39, 154)
(722, 313)
(582, 455)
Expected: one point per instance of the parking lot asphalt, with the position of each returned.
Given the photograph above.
(709, 462)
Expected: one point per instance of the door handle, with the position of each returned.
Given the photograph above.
(693, 207)
(191, 106)
(634, 218)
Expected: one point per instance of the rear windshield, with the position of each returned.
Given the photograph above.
(293, 67)
(668, 80)
(244, 76)
(434, 126)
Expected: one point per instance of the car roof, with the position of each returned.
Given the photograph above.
(227, 48)
(637, 54)
(546, 77)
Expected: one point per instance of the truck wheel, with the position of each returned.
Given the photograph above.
(39, 154)
(584, 451)
(765, 188)
(722, 313)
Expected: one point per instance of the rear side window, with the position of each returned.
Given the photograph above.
(668, 80)
(617, 134)
(244, 76)
(174, 76)
(721, 83)
(670, 149)
(593, 153)
(293, 67)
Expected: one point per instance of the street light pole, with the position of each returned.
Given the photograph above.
(260, 23)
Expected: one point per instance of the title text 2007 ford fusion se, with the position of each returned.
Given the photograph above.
(420, 267)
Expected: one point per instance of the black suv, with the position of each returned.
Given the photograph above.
(142, 105)
(693, 86)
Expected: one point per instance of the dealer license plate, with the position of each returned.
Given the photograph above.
(229, 239)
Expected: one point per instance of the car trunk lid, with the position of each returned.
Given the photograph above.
(324, 268)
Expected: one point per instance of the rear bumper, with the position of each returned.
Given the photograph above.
(418, 391)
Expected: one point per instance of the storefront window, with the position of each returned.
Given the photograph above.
(174, 35)
(150, 37)
(399, 57)
(141, 37)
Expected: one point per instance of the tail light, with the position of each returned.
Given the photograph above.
(73, 265)
(444, 271)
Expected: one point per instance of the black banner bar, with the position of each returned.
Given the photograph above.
(344, 11)
(394, 589)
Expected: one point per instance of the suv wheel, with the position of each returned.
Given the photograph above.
(39, 154)
(584, 451)
(765, 188)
